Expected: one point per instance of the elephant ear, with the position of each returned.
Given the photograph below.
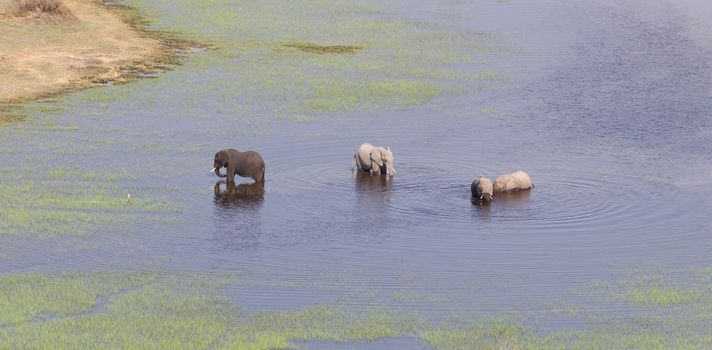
(376, 157)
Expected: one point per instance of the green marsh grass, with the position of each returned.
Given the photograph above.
(24, 297)
(60, 202)
(323, 58)
(324, 49)
(163, 310)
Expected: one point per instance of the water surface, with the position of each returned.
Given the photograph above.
(606, 106)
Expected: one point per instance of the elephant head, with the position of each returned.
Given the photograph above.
(383, 157)
(221, 159)
(484, 188)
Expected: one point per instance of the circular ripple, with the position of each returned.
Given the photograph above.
(571, 202)
(438, 192)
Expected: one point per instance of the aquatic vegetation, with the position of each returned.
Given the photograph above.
(172, 309)
(658, 289)
(322, 49)
(163, 310)
(69, 202)
(664, 295)
(141, 310)
(27, 296)
(8, 119)
(275, 330)
(492, 335)
(322, 59)
(335, 95)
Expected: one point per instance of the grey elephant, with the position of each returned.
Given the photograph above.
(482, 189)
(516, 181)
(376, 160)
(245, 164)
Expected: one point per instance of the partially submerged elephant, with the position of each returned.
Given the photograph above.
(516, 181)
(482, 189)
(376, 160)
(245, 164)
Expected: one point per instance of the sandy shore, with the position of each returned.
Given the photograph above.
(43, 59)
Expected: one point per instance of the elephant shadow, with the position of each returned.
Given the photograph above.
(237, 196)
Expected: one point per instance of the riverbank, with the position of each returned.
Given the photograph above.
(105, 44)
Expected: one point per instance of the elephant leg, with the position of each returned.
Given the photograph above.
(231, 174)
(259, 176)
(359, 165)
(375, 169)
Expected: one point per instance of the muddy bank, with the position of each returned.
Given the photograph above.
(102, 44)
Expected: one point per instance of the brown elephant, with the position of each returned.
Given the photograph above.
(245, 164)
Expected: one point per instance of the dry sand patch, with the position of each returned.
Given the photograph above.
(45, 57)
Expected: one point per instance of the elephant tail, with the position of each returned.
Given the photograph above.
(263, 174)
(353, 163)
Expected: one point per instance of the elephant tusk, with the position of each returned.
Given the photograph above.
(394, 171)
(212, 171)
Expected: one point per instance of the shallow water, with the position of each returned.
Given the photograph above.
(606, 106)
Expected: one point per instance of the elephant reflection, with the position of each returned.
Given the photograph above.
(514, 198)
(238, 195)
(237, 217)
(377, 186)
(371, 213)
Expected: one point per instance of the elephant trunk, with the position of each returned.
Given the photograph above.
(217, 172)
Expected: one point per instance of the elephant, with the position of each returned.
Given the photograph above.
(376, 160)
(482, 189)
(245, 164)
(516, 181)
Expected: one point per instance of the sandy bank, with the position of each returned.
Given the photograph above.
(41, 59)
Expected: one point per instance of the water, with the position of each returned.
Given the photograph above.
(606, 106)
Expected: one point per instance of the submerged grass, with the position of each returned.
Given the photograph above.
(69, 202)
(322, 49)
(162, 310)
(9, 119)
(491, 335)
(318, 58)
(657, 289)
(24, 297)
